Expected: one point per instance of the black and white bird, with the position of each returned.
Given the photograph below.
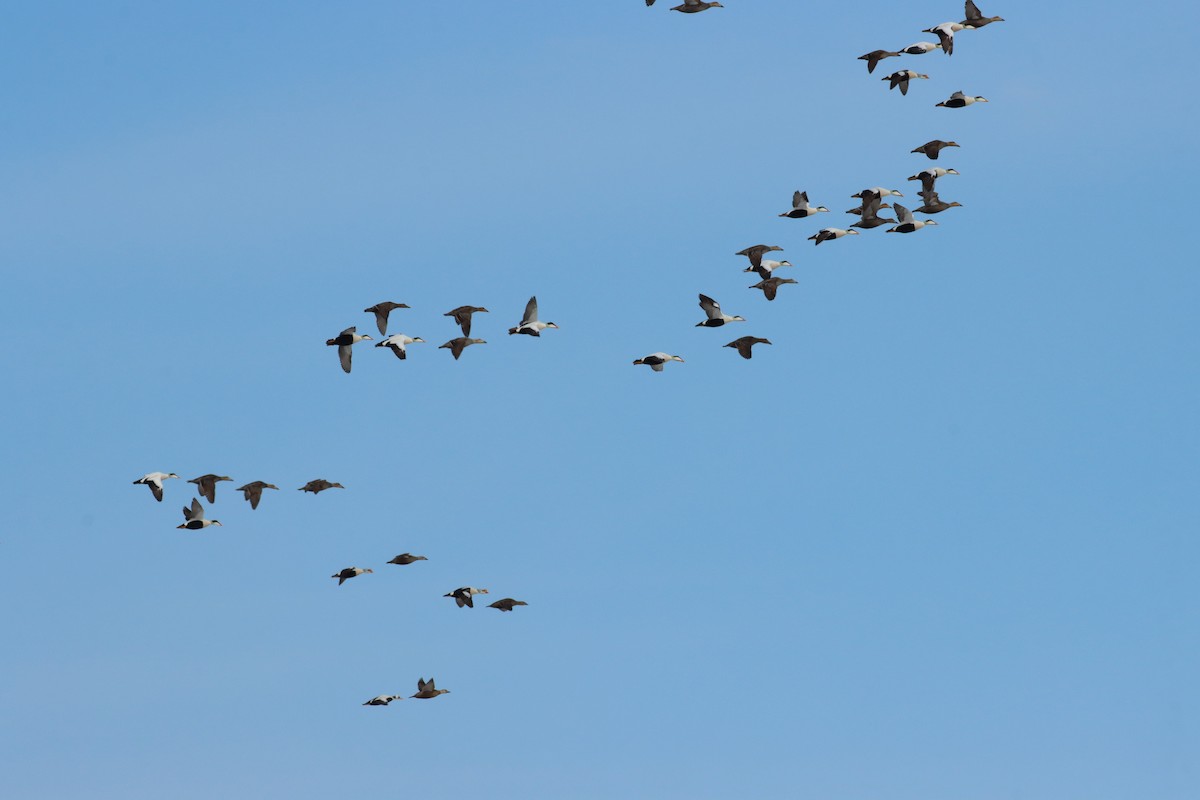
(695, 6)
(348, 573)
(771, 285)
(716, 318)
(901, 79)
(407, 558)
(427, 691)
(194, 518)
(908, 224)
(507, 604)
(382, 700)
(928, 177)
(319, 485)
(253, 492)
(920, 48)
(960, 100)
(530, 326)
(656, 361)
(464, 595)
(975, 19)
(344, 341)
(756, 253)
(945, 33)
(398, 343)
(874, 57)
(206, 485)
(766, 267)
(456, 346)
(879, 191)
(744, 344)
(801, 208)
(462, 315)
(155, 481)
(828, 234)
(381, 311)
(931, 148)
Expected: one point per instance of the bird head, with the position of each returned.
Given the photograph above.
(418, 339)
(822, 208)
(677, 358)
(551, 325)
(217, 522)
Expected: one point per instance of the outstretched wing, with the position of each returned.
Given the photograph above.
(973, 11)
(902, 213)
(711, 307)
(345, 353)
(530, 311)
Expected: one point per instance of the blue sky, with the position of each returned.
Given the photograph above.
(938, 541)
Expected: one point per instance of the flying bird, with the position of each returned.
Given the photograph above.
(960, 100)
(507, 604)
(770, 286)
(876, 190)
(456, 346)
(800, 207)
(933, 147)
(344, 341)
(695, 6)
(934, 204)
(656, 361)
(253, 492)
(826, 234)
(744, 344)
(766, 267)
(977, 20)
(901, 79)
(920, 48)
(407, 558)
(348, 573)
(928, 177)
(463, 596)
(427, 691)
(908, 224)
(381, 311)
(715, 316)
(398, 344)
(462, 315)
(194, 518)
(206, 485)
(319, 485)
(155, 481)
(530, 326)
(382, 700)
(945, 33)
(869, 212)
(874, 57)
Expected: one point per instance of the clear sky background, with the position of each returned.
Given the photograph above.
(938, 541)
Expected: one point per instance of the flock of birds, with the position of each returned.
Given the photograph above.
(195, 520)
(868, 211)
(871, 200)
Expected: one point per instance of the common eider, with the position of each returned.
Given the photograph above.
(908, 224)
(381, 311)
(407, 558)
(874, 57)
(319, 485)
(155, 481)
(901, 79)
(456, 346)
(206, 485)
(975, 19)
(530, 326)
(344, 341)
(801, 208)
(826, 234)
(770, 286)
(695, 6)
(348, 573)
(507, 604)
(960, 100)
(744, 344)
(462, 315)
(931, 148)
(716, 318)
(194, 518)
(398, 343)
(463, 595)
(656, 360)
(253, 491)
(427, 691)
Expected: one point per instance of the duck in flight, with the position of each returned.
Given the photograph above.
(530, 326)
(695, 6)
(507, 604)
(319, 485)
(382, 700)
(656, 361)
(744, 344)
(381, 311)
(253, 492)
(975, 19)
(407, 558)
(908, 224)
(960, 100)
(901, 79)
(194, 518)
(344, 341)
(801, 208)
(155, 481)
(462, 315)
(456, 346)
(771, 285)
(206, 485)
(716, 318)
(348, 573)
(398, 344)
(427, 691)
(874, 57)
(463, 595)
(931, 148)
(766, 267)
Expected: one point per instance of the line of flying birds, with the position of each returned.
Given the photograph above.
(195, 520)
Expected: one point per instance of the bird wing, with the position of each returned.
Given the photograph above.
(947, 39)
(930, 197)
(530, 311)
(463, 317)
(253, 494)
(769, 288)
(349, 331)
(902, 213)
(157, 488)
(711, 307)
(958, 96)
(345, 353)
(973, 11)
(903, 82)
(928, 179)
(381, 318)
(800, 200)
(208, 488)
(195, 512)
(399, 350)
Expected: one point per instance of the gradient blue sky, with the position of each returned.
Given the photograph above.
(939, 541)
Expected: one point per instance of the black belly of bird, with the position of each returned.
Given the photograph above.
(713, 323)
(194, 525)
